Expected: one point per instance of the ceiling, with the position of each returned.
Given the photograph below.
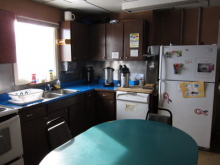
(112, 6)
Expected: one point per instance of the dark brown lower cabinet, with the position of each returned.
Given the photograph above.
(90, 109)
(33, 121)
(77, 118)
(105, 106)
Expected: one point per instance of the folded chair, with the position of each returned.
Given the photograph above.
(57, 132)
(158, 117)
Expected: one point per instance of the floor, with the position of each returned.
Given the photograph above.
(211, 157)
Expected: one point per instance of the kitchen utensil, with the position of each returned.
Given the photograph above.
(125, 73)
(68, 16)
(108, 76)
(89, 74)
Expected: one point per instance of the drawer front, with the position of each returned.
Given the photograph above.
(106, 95)
(32, 114)
(61, 104)
(60, 113)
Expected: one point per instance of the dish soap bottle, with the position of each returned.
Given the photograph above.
(57, 85)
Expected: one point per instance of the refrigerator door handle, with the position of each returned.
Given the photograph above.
(161, 56)
(160, 94)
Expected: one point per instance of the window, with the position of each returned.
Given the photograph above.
(35, 52)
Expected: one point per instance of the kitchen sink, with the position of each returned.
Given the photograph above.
(64, 91)
(58, 93)
(50, 95)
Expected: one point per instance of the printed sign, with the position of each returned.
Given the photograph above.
(115, 55)
(192, 89)
(134, 52)
(134, 40)
(131, 107)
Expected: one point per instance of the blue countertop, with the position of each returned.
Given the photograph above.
(76, 85)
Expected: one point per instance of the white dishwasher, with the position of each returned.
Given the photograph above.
(131, 105)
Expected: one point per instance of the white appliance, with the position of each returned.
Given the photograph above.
(180, 64)
(131, 105)
(11, 149)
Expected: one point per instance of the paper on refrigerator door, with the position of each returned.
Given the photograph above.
(192, 89)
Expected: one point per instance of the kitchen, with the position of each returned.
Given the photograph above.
(161, 33)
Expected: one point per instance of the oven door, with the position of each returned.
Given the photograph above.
(10, 138)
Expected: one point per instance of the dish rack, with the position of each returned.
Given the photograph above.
(26, 95)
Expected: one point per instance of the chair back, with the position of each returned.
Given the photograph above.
(57, 132)
(160, 118)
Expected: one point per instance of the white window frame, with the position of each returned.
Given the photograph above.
(44, 23)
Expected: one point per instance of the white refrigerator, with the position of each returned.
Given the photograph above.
(192, 107)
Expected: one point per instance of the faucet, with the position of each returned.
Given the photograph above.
(47, 88)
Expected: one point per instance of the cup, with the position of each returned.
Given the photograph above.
(68, 16)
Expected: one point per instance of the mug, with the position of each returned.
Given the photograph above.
(68, 16)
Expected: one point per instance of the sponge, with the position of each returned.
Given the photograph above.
(56, 86)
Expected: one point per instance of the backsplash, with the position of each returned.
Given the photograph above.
(6, 78)
(7, 74)
(134, 67)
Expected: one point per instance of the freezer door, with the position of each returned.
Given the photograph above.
(192, 115)
(188, 63)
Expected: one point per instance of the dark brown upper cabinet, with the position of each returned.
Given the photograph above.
(97, 42)
(135, 39)
(78, 49)
(7, 35)
(114, 41)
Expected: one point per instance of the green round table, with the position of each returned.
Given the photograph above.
(127, 142)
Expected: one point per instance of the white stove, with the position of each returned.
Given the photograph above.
(5, 110)
(11, 149)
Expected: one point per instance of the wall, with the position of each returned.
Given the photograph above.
(30, 9)
(132, 65)
(164, 26)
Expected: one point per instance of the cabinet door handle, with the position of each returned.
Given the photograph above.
(126, 57)
(29, 115)
(104, 95)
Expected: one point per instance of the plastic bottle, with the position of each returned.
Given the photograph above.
(50, 75)
(58, 82)
(33, 79)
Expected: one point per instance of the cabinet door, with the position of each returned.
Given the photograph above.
(105, 106)
(79, 35)
(34, 141)
(79, 41)
(106, 111)
(90, 110)
(97, 42)
(77, 117)
(7, 37)
(130, 30)
(65, 50)
(114, 41)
